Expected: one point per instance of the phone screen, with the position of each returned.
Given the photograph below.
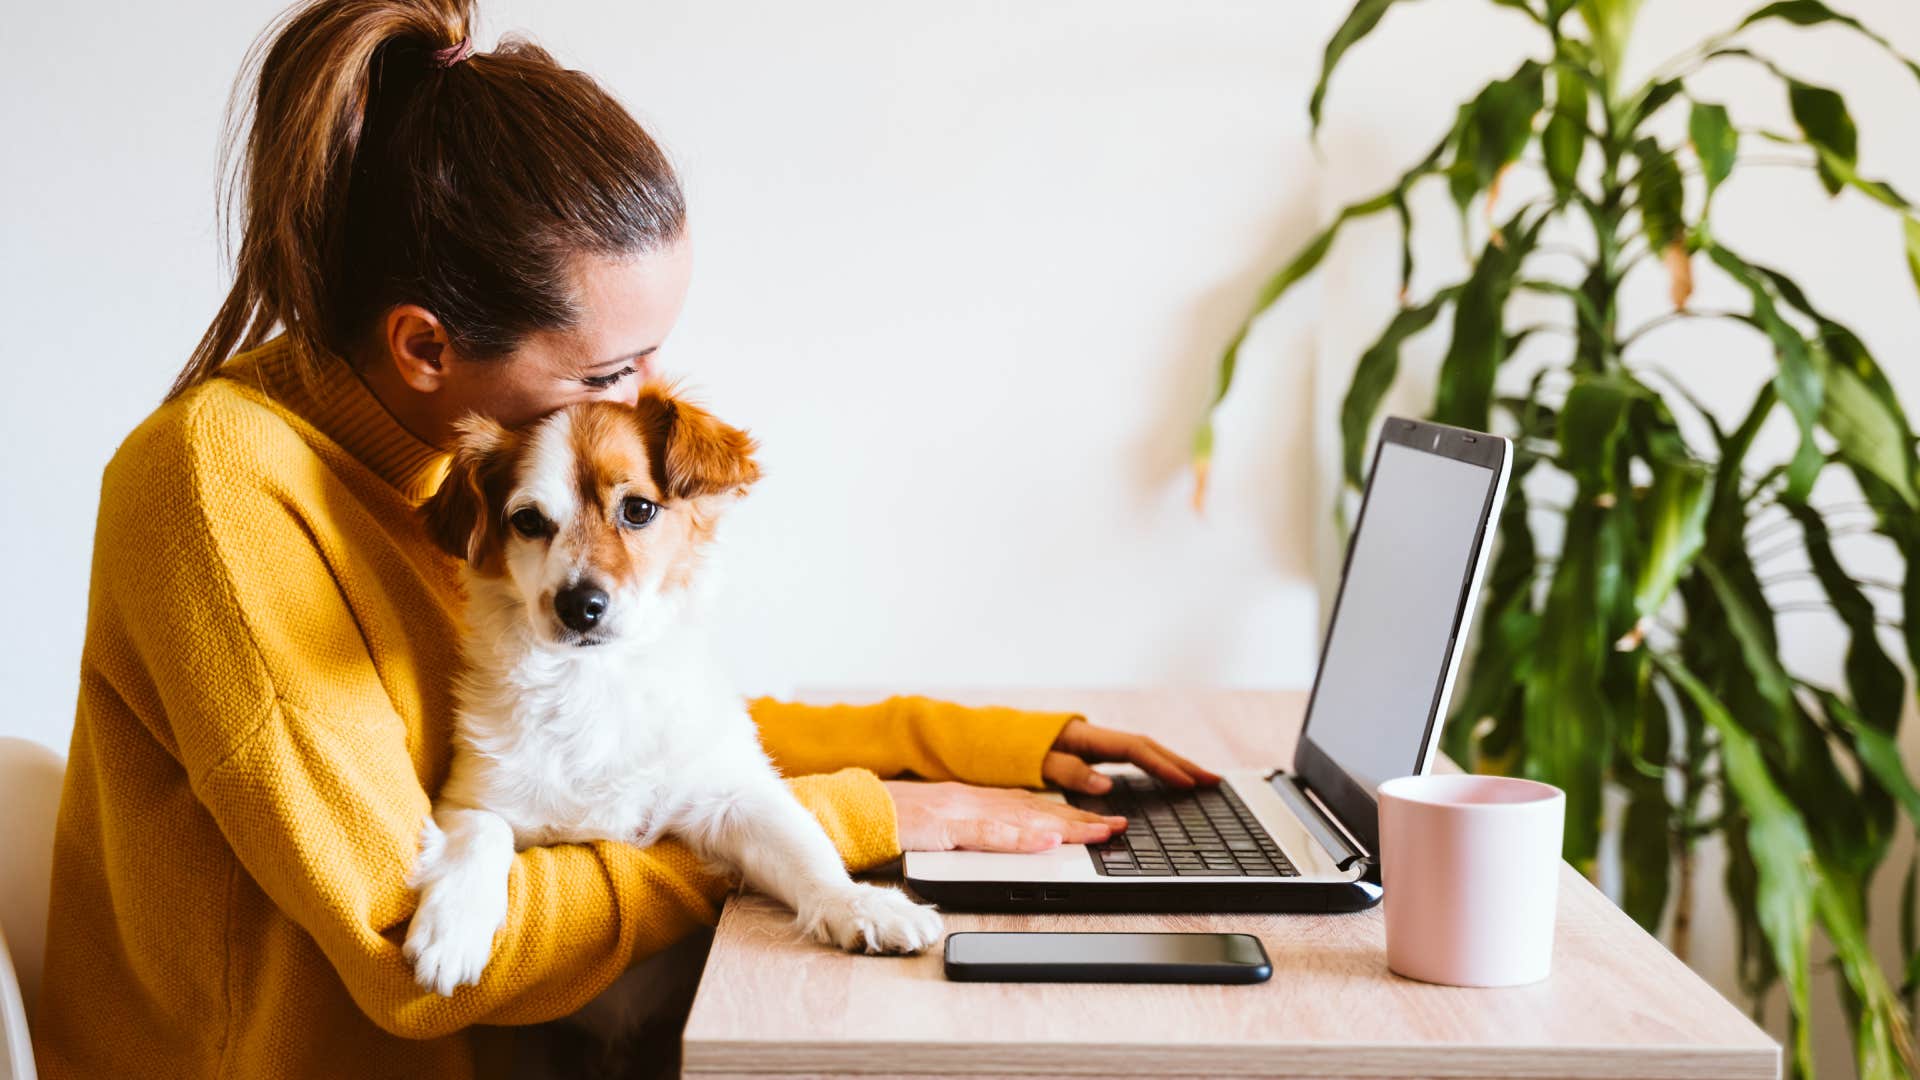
(1039, 949)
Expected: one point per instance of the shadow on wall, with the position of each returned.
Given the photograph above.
(1266, 441)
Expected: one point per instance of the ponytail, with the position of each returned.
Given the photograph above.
(379, 171)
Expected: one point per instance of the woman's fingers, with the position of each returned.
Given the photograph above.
(948, 815)
(1073, 773)
(1161, 764)
(1027, 822)
(1193, 769)
(1095, 743)
(986, 834)
(1076, 825)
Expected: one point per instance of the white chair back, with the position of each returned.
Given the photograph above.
(30, 779)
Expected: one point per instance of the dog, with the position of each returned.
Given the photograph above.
(590, 706)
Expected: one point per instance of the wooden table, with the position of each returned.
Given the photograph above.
(1617, 1005)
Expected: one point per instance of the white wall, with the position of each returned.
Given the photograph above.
(963, 268)
(963, 271)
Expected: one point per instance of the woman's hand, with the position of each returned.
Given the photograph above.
(947, 815)
(944, 815)
(1080, 742)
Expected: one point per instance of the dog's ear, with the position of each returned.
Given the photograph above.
(457, 516)
(694, 452)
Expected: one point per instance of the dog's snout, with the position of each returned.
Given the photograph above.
(580, 606)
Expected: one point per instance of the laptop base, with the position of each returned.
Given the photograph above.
(1152, 895)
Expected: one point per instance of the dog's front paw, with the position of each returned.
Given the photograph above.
(452, 936)
(874, 919)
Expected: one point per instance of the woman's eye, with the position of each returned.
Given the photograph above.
(601, 382)
(528, 523)
(636, 511)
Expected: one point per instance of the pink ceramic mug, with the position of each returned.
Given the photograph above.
(1470, 868)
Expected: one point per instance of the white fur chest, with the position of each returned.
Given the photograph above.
(596, 743)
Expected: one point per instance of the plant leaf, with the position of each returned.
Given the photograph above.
(1781, 848)
(1832, 164)
(1909, 937)
(1610, 22)
(1464, 395)
(1661, 196)
(1565, 140)
(1812, 13)
(1715, 141)
(1863, 413)
(1879, 754)
(1591, 422)
(1910, 229)
(1360, 22)
(1757, 644)
(1798, 380)
(1493, 129)
(1878, 688)
(1851, 832)
(1677, 517)
(1651, 100)
(1566, 722)
(1823, 118)
(1276, 286)
(1900, 524)
(1646, 853)
(1375, 373)
(1858, 405)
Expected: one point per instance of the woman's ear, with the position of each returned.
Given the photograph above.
(458, 517)
(694, 452)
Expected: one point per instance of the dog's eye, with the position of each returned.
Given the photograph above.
(528, 523)
(636, 511)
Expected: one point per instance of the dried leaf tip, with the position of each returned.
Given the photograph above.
(1679, 272)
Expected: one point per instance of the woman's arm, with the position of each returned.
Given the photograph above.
(994, 745)
(269, 698)
(992, 750)
(326, 821)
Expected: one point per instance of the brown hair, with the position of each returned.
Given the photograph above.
(377, 173)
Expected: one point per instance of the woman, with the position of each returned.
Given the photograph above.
(264, 709)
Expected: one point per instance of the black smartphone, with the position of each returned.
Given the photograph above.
(1105, 956)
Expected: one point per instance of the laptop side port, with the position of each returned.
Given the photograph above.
(1053, 894)
(1023, 893)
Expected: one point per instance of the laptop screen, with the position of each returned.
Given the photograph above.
(1411, 566)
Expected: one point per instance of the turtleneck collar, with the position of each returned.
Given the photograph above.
(335, 400)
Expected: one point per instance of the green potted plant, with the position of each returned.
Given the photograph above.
(1643, 654)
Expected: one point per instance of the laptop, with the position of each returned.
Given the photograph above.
(1302, 837)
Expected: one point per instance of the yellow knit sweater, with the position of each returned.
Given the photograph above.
(264, 715)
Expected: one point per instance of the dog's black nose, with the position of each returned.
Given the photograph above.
(580, 606)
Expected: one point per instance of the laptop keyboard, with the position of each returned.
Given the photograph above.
(1187, 832)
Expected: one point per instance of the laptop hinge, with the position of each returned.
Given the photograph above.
(1319, 821)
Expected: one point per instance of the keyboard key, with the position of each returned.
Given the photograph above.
(1183, 831)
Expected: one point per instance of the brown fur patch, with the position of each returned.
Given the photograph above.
(693, 452)
(463, 516)
(609, 463)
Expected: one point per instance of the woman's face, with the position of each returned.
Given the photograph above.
(628, 305)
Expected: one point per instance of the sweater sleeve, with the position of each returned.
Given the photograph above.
(993, 745)
(268, 696)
